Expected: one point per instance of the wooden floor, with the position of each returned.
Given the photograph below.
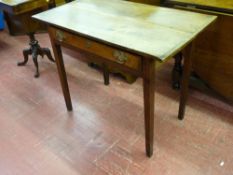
(104, 134)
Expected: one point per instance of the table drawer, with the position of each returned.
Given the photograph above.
(110, 53)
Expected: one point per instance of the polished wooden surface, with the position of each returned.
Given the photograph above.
(161, 32)
(15, 2)
(18, 15)
(213, 56)
(224, 4)
(21, 6)
(152, 2)
(135, 32)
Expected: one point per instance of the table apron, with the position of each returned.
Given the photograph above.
(103, 53)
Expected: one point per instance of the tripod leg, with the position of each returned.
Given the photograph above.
(47, 52)
(34, 58)
(26, 52)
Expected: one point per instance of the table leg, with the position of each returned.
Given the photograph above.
(62, 74)
(148, 89)
(185, 79)
(177, 71)
(106, 74)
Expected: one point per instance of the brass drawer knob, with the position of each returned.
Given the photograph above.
(120, 56)
(60, 35)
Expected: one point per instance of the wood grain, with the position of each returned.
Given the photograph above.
(213, 55)
(96, 48)
(21, 6)
(152, 2)
(224, 4)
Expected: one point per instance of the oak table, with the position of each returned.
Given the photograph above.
(24, 9)
(129, 36)
(213, 57)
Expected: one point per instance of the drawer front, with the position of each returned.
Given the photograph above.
(110, 53)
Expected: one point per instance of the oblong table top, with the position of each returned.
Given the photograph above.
(143, 29)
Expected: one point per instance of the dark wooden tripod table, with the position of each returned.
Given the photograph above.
(24, 9)
(128, 36)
